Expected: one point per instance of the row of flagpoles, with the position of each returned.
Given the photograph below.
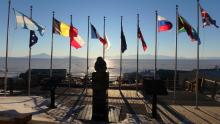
(76, 41)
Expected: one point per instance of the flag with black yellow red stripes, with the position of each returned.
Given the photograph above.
(61, 28)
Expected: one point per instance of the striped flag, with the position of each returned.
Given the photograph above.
(95, 35)
(61, 28)
(75, 39)
(164, 24)
(66, 30)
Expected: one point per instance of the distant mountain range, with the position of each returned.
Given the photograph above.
(42, 56)
(46, 56)
(148, 56)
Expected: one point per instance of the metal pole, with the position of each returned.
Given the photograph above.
(175, 74)
(70, 56)
(197, 72)
(6, 55)
(104, 37)
(29, 61)
(137, 52)
(155, 66)
(120, 59)
(87, 62)
(51, 57)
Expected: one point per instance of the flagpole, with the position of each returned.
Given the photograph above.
(70, 56)
(104, 37)
(155, 66)
(197, 72)
(120, 59)
(137, 52)
(175, 73)
(29, 63)
(6, 55)
(87, 62)
(51, 56)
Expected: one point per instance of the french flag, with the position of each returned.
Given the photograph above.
(95, 35)
(163, 24)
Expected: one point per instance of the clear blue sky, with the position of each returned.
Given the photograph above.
(112, 9)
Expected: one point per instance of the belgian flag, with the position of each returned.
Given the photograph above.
(61, 28)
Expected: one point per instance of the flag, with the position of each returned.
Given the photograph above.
(123, 41)
(27, 23)
(206, 19)
(107, 45)
(163, 24)
(70, 31)
(184, 26)
(33, 38)
(140, 36)
(75, 39)
(61, 28)
(73, 32)
(95, 35)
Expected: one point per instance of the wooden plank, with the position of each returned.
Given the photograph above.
(114, 113)
(166, 116)
(88, 112)
(199, 113)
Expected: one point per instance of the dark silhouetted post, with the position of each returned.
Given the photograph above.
(137, 53)
(51, 55)
(70, 56)
(100, 80)
(104, 37)
(175, 73)
(29, 61)
(52, 87)
(6, 53)
(197, 72)
(154, 106)
(87, 58)
(155, 64)
(120, 78)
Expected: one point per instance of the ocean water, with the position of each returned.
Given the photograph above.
(18, 65)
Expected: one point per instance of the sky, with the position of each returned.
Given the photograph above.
(112, 9)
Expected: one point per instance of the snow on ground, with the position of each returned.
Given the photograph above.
(36, 105)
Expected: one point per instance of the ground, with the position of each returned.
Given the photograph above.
(74, 106)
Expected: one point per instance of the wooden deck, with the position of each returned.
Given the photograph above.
(125, 104)
(132, 107)
(184, 110)
(74, 105)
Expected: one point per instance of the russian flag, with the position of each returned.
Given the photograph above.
(163, 24)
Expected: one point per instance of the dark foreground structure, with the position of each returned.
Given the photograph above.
(100, 80)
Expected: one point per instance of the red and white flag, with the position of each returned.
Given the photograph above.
(75, 39)
(107, 45)
(77, 42)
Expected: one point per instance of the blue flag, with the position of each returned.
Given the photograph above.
(123, 41)
(27, 23)
(94, 33)
(33, 38)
